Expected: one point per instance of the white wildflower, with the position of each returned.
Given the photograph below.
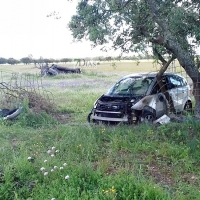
(53, 199)
(52, 155)
(42, 169)
(67, 177)
(45, 173)
(53, 148)
(57, 151)
(61, 168)
(52, 170)
(49, 151)
(45, 161)
(65, 164)
(29, 158)
(55, 167)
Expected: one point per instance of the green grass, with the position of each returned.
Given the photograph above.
(103, 162)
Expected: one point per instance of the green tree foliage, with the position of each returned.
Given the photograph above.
(12, 61)
(46, 60)
(26, 60)
(3, 60)
(65, 60)
(168, 27)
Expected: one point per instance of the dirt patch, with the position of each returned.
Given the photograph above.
(78, 82)
(160, 174)
(190, 178)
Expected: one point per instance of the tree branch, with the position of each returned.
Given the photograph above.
(171, 44)
(119, 8)
(164, 67)
(157, 54)
(159, 77)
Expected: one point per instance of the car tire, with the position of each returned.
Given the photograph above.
(148, 117)
(188, 106)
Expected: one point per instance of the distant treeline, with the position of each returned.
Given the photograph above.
(29, 60)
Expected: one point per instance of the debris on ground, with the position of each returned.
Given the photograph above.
(54, 70)
(162, 120)
(10, 114)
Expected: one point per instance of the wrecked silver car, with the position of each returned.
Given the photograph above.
(137, 97)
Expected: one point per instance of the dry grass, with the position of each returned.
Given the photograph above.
(39, 103)
(116, 66)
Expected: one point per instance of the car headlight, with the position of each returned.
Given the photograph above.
(133, 100)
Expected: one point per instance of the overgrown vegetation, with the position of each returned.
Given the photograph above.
(42, 158)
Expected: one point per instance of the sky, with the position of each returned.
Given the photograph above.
(25, 29)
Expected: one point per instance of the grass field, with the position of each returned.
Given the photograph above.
(112, 66)
(42, 158)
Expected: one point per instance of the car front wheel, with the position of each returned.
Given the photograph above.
(188, 106)
(148, 117)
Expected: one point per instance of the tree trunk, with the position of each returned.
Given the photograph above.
(162, 86)
(187, 62)
(182, 55)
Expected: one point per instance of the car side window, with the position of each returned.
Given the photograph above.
(174, 82)
(183, 81)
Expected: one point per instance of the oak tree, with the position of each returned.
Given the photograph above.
(168, 27)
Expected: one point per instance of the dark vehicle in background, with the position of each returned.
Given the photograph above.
(137, 97)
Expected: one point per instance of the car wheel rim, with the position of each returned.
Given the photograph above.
(188, 107)
(149, 118)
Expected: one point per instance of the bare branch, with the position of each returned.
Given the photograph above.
(157, 54)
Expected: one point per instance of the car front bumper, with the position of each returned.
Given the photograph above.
(110, 116)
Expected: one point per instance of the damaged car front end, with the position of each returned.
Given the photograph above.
(111, 109)
(116, 105)
(137, 98)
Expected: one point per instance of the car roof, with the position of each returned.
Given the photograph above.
(147, 74)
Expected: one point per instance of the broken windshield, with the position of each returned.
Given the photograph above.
(134, 86)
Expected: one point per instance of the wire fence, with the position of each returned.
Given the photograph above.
(15, 88)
